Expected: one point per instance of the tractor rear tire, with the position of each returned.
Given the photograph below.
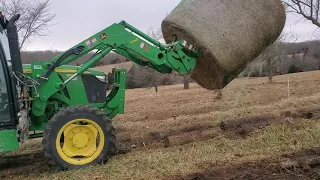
(79, 147)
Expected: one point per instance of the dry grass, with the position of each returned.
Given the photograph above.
(174, 109)
(171, 107)
(154, 164)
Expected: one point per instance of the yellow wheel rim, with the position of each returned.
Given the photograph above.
(80, 141)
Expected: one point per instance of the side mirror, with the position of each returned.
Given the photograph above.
(14, 18)
(14, 44)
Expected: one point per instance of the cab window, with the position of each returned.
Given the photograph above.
(4, 98)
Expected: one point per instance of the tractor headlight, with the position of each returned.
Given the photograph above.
(103, 79)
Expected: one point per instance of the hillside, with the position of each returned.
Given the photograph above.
(267, 132)
(108, 68)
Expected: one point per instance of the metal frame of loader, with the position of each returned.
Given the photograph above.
(75, 121)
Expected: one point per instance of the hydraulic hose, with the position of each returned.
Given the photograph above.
(75, 51)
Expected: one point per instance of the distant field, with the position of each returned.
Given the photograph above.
(269, 131)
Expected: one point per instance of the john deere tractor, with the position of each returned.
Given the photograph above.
(68, 105)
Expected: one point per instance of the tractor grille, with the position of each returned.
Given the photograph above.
(96, 90)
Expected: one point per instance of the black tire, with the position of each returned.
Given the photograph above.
(67, 115)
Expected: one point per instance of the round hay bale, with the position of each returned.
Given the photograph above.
(230, 33)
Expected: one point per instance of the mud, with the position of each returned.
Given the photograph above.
(307, 168)
(23, 164)
(35, 163)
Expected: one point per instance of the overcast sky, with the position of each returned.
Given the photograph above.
(76, 20)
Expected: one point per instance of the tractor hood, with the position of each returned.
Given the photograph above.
(65, 69)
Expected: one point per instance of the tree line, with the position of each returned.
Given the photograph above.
(280, 58)
(285, 58)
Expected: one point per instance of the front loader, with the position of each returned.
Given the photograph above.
(67, 105)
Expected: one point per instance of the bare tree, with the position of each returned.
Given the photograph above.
(35, 17)
(272, 56)
(309, 9)
(155, 33)
(271, 59)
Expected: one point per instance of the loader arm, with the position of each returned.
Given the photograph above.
(121, 38)
(126, 40)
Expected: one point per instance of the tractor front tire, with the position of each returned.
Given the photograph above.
(87, 135)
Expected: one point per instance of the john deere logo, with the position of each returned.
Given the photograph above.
(103, 36)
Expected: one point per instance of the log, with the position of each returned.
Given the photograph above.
(230, 33)
(300, 163)
(249, 123)
(308, 112)
(159, 136)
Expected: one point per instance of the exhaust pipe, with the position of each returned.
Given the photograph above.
(14, 44)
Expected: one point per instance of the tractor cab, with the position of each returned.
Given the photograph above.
(4, 84)
(5, 78)
(9, 104)
(5, 45)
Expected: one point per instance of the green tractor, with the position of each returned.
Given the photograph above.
(68, 106)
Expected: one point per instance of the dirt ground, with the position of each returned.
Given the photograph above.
(255, 131)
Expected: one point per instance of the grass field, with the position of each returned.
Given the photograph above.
(271, 131)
